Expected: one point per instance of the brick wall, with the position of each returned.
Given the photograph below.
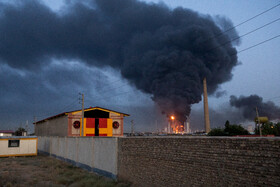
(199, 161)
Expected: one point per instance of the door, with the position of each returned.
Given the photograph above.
(96, 127)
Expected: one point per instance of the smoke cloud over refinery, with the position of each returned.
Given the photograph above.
(161, 51)
(249, 104)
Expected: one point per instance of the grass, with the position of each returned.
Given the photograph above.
(46, 171)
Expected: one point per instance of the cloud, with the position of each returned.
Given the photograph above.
(248, 105)
(163, 52)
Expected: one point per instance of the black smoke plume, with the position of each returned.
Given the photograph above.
(163, 52)
(248, 106)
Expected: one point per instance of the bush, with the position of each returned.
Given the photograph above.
(217, 132)
(229, 130)
(269, 128)
(232, 130)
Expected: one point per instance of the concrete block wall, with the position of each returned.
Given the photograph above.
(173, 161)
(97, 154)
(199, 161)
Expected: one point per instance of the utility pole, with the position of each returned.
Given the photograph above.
(259, 121)
(206, 110)
(82, 127)
(26, 127)
(35, 120)
(157, 131)
(132, 127)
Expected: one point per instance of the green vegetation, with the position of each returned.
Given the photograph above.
(269, 128)
(46, 171)
(19, 131)
(229, 130)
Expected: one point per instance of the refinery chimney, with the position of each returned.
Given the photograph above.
(206, 111)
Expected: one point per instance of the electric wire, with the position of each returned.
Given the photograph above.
(112, 95)
(250, 32)
(248, 48)
(58, 111)
(238, 52)
(244, 21)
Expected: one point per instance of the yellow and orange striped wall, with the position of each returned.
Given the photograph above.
(105, 126)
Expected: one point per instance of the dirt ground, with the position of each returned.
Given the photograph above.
(43, 171)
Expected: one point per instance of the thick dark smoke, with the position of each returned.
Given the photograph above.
(163, 52)
(248, 106)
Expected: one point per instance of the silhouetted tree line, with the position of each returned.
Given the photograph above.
(268, 128)
(20, 131)
(229, 130)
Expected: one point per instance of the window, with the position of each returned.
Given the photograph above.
(13, 143)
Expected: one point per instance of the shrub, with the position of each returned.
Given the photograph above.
(229, 130)
(217, 132)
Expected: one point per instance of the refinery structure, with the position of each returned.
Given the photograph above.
(176, 127)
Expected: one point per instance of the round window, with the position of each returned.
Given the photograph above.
(116, 124)
(76, 124)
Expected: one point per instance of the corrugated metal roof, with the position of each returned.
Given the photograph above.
(86, 109)
(17, 137)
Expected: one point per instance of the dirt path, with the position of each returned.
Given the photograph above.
(46, 171)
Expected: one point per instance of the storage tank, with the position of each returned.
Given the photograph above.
(261, 119)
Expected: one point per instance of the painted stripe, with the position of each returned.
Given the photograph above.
(30, 154)
(19, 139)
(103, 122)
(110, 127)
(97, 108)
(90, 123)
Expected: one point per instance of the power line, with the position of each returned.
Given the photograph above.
(112, 89)
(250, 32)
(109, 84)
(273, 98)
(246, 21)
(220, 45)
(113, 95)
(59, 111)
(230, 55)
(256, 44)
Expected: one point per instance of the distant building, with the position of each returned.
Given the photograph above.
(187, 127)
(97, 122)
(6, 133)
(250, 129)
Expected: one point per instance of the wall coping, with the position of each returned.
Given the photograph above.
(163, 137)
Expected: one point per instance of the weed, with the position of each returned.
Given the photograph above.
(47, 171)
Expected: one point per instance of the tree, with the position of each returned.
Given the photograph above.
(229, 130)
(232, 130)
(19, 131)
(269, 128)
(217, 132)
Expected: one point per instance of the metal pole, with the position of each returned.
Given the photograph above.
(259, 121)
(206, 110)
(132, 128)
(83, 115)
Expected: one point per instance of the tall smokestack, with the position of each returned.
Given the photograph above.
(206, 111)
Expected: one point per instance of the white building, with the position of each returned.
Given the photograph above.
(18, 146)
(6, 133)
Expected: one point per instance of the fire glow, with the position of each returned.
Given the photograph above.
(175, 126)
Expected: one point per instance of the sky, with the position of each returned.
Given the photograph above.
(31, 93)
